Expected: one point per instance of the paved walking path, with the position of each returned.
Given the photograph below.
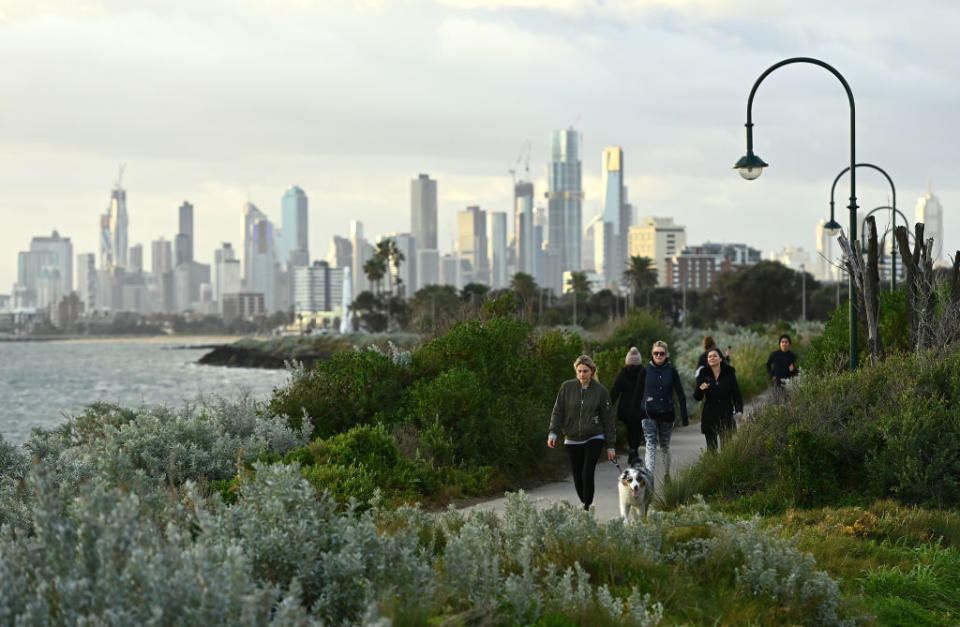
(686, 445)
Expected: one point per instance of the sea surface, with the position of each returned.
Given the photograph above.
(43, 383)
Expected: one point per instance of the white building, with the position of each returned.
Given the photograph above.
(930, 212)
(318, 292)
(658, 239)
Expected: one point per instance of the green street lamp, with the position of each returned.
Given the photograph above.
(893, 190)
(750, 167)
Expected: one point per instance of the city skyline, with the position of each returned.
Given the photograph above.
(455, 89)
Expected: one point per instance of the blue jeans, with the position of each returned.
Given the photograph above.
(657, 434)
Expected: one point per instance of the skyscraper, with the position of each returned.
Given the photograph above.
(930, 212)
(523, 228)
(825, 270)
(362, 251)
(497, 248)
(250, 215)
(341, 252)
(184, 244)
(136, 259)
(294, 234)
(87, 280)
(564, 199)
(423, 211)
(118, 225)
(263, 262)
(616, 211)
(472, 242)
(161, 258)
(226, 273)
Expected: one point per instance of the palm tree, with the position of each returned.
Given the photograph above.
(396, 257)
(578, 284)
(375, 268)
(382, 253)
(641, 273)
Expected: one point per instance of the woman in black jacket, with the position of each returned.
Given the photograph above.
(624, 389)
(717, 386)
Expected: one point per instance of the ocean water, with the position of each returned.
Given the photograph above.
(42, 383)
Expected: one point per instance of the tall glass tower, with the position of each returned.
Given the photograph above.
(293, 232)
(615, 212)
(423, 212)
(564, 198)
(118, 225)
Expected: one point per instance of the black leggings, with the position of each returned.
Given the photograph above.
(583, 463)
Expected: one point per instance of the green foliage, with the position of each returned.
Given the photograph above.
(641, 329)
(886, 431)
(807, 467)
(348, 390)
(830, 352)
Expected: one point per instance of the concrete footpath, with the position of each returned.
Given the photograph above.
(686, 444)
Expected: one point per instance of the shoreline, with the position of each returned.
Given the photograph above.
(205, 339)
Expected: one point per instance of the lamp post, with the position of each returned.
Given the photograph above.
(893, 190)
(803, 293)
(750, 167)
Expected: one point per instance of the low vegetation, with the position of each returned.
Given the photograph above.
(321, 506)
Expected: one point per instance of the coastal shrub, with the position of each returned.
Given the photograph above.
(107, 557)
(160, 445)
(348, 390)
(355, 464)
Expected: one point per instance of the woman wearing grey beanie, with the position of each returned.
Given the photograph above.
(624, 389)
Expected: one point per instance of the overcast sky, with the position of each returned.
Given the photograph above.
(223, 101)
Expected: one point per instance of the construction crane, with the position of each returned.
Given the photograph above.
(523, 157)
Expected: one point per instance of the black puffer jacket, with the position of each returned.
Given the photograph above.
(721, 399)
(624, 388)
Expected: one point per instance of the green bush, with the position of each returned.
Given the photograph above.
(356, 463)
(830, 352)
(807, 467)
(890, 430)
(350, 389)
(641, 329)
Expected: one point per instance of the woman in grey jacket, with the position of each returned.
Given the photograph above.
(584, 414)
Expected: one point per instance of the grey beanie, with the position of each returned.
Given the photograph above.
(633, 357)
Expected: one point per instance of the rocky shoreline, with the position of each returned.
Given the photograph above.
(244, 357)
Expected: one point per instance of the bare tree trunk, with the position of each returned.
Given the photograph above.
(921, 290)
(955, 280)
(867, 280)
(871, 292)
(911, 259)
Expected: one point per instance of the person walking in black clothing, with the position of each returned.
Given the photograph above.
(708, 343)
(624, 389)
(717, 386)
(584, 414)
(782, 364)
(658, 382)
